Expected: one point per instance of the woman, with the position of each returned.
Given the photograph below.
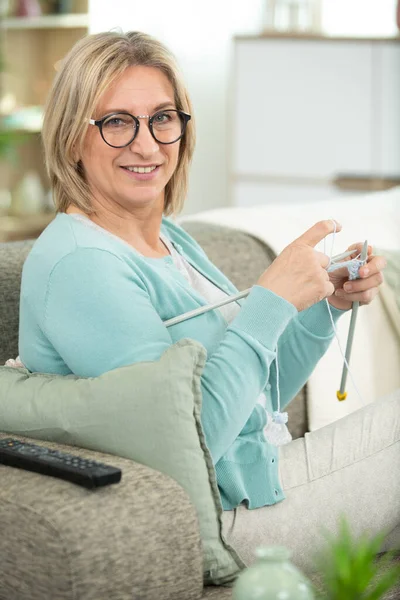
(111, 268)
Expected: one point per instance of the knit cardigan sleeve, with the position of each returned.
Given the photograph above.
(302, 344)
(98, 316)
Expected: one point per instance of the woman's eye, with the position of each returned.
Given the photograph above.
(162, 117)
(116, 122)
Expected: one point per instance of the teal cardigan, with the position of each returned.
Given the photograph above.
(91, 303)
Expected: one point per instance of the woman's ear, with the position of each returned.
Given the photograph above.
(75, 155)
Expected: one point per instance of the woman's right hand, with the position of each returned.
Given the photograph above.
(299, 273)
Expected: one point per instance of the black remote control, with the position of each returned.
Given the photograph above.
(88, 473)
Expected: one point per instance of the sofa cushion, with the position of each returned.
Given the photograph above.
(148, 412)
(392, 279)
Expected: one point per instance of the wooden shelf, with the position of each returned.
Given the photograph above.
(32, 124)
(23, 228)
(67, 21)
(365, 183)
(31, 49)
(22, 129)
(271, 34)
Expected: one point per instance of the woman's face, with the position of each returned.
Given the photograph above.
(139, 91)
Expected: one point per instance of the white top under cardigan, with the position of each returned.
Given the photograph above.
(200, 283)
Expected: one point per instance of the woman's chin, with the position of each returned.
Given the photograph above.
(141, 200)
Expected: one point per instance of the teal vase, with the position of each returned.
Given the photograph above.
(272, 577)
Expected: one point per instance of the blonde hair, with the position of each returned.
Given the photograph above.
(90, 67)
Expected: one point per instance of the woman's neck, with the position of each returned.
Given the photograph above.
(145, 240)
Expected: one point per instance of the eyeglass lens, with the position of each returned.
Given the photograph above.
(167, 126)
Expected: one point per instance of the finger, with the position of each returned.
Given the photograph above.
(361, 285)
(330, 289)
(318, 232)
(357, 247)
(363, 297)
(342, 273)
(323, 259)
(375, 264)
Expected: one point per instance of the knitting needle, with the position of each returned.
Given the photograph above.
(341, 394)
(342, 256)
(203, 309)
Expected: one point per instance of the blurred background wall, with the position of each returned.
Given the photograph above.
(200, 34)
(286, 109)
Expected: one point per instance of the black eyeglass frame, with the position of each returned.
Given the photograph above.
(99, 123)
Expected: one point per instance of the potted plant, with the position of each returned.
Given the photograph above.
(353, 569)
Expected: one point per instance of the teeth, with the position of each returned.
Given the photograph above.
(141, 169)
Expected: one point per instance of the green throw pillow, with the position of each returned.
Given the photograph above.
(148, 412)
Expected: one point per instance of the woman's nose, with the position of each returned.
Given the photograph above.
(144, 143)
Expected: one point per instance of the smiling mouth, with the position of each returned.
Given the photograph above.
(141, 169)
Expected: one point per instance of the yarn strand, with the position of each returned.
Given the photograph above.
(276, 431)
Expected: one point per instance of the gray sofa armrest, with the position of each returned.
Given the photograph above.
(138, 539)
(12, 257)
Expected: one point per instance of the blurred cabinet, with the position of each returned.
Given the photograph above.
(312, 112)
(30, 50)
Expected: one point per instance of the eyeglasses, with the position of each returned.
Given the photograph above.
(120, 129)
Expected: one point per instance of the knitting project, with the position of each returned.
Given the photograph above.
(353, 266)
(276, 431)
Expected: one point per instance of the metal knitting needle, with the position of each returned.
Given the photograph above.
(341, 394)
(203, 309)
(342, 256)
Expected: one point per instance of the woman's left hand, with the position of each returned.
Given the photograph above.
(361, 290)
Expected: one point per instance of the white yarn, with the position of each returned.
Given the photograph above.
(276, 431)
(14, 363)
(353, 266)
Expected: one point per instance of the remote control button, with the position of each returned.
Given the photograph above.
(11, 443)
(52, 457)
(30, 450)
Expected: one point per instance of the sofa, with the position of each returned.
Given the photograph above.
(136, 540)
